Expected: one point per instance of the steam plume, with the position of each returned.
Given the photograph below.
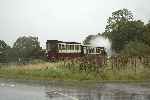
(100, 41)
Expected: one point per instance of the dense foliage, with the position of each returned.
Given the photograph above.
(136, 48)
(24, 48)
(126, 34)
(27, 47)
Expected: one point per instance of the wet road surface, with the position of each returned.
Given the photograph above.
(31, 90)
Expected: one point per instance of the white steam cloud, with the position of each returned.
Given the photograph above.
(100, 41)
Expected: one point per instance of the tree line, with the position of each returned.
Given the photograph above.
(24, 48)
(128, 36)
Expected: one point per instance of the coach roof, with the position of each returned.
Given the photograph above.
(63, 42)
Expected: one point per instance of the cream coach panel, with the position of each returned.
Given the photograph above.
(69, 48)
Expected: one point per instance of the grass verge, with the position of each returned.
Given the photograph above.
(63, 71)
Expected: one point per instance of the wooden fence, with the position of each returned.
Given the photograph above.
(99, 63)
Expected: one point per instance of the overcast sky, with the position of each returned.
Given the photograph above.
(68, 20)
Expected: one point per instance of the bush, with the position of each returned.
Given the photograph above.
(135, 48)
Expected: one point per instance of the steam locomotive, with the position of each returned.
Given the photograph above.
(60, 50)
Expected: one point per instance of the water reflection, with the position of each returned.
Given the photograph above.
(59, 93)
(35, 91)
(92, 96)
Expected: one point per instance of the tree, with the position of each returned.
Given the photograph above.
(122, 29)
(3, 45)
(27, 47)
(146, 34)
(130, 31)
(3, 51)
(118, 17)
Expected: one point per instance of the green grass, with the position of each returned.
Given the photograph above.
(48, 71)
(67, 71)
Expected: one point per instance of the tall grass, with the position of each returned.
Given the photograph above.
(48, 71)
(68, 70)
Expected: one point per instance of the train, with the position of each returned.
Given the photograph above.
(59, 50)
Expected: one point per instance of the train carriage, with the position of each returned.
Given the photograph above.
(59, 50)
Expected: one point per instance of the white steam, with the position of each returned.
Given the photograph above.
(100, 41)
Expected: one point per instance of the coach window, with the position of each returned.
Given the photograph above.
(67, 47)
(76, 47)
(71, 47)
(63, 47)
(92, 50)
(59, 46)
(98, 50)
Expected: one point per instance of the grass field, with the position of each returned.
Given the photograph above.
(67, 71)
